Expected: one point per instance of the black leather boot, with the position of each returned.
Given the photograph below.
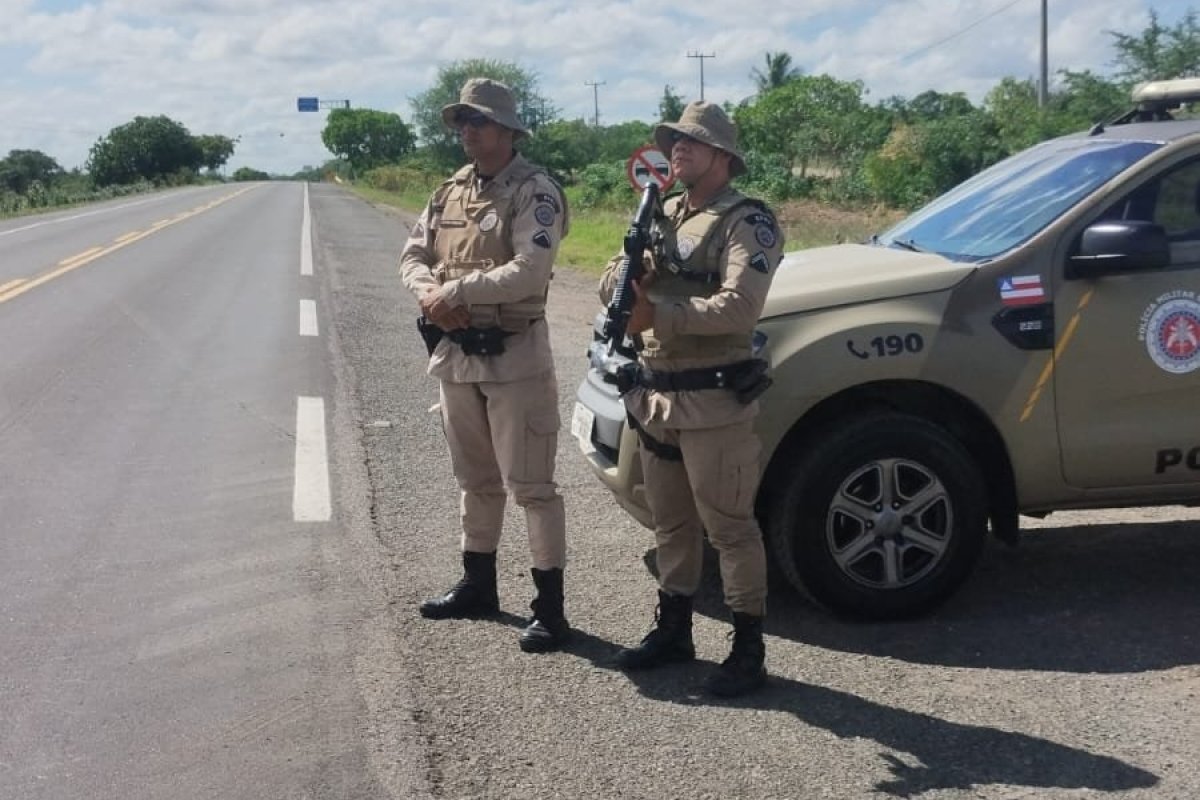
(671, 640)
(473, 596)
(743, 670)
(548, 630)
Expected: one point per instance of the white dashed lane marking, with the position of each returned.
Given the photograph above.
(308, 318)
(310, 496)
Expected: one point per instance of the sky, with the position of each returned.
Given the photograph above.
(72, 71)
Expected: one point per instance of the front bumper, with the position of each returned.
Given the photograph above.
(608, 444)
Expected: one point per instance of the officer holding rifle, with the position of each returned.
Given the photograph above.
(479, 260)
(691, 395)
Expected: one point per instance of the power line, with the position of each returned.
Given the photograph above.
(957, 33)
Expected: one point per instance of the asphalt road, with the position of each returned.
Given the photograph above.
(168, 628)
(182, 616)
(1068, 668)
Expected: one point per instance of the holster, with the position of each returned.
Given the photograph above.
(430, 334)
(750, 380)
(480, 341)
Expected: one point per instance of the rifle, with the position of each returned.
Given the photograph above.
(631, 269)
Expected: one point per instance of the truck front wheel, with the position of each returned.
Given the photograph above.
(882, 517)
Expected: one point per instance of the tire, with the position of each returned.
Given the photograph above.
(882, 517)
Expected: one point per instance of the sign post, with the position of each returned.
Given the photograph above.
(649, 164)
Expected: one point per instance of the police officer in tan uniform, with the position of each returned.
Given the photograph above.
(479, 260)
(692, 397)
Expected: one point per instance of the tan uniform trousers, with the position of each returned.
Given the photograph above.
(504, 436)
(711, 490)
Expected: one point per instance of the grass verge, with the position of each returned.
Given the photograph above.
(596, 233)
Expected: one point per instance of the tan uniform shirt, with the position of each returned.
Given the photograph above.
(525, 216)
(746, 249)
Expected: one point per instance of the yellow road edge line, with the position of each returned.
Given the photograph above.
(125, 237)
(4, 287)
(88, 256)
(1059, 349)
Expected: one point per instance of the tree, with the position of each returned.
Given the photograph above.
(563, 146)
(367, 138)
(1159, 53)
(23, 168)
(250, 174)
(148, 148)
(617, 142)
(441, 142)
(1013, 107)
(670, 107)
(778, 72)
(215, 150)
(932, 105)
(813, 119)
(1086, 99)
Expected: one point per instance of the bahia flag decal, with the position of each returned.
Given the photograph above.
(1021, 290)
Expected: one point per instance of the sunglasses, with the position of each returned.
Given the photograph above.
(472, 119)
(676, 136)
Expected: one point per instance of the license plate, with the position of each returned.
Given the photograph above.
(581, 425)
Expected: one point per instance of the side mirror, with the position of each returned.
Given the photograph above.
(1110, 247)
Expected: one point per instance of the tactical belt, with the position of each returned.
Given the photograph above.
(479, 341)
(746, 379)
(663, 450)
(687, 380)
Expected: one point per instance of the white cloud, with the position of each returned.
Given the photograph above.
(236, 66)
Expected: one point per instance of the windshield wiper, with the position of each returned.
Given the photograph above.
(909, 244)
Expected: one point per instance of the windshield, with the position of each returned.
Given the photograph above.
(1008, 203)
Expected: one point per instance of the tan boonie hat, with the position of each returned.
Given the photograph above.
(707, 123)
(490, 98)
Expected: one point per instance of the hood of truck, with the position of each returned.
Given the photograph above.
(843, 274)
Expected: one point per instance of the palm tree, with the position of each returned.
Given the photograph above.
(778, 72)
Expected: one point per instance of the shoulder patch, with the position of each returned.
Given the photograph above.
(760, 262)
(417, 232)
(765, 236)
(545, 215)
(764, 228)
(542, 239)
(548, 199)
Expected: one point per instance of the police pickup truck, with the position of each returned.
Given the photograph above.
(1028, 342)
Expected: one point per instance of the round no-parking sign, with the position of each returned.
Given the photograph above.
(649, 164)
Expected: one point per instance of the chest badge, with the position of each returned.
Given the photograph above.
(490, 220)
(686, 247)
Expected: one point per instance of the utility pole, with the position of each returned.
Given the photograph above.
(595, 99)
(701, 56)
(1043, 87)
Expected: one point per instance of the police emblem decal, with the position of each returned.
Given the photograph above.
(764, 229)
(489, 221)
(544, 215)
(1170, 327)
(764, 236)
(542, 239)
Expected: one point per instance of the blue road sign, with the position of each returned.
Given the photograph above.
(307, 104)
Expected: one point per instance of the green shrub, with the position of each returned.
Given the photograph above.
(604, 185)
